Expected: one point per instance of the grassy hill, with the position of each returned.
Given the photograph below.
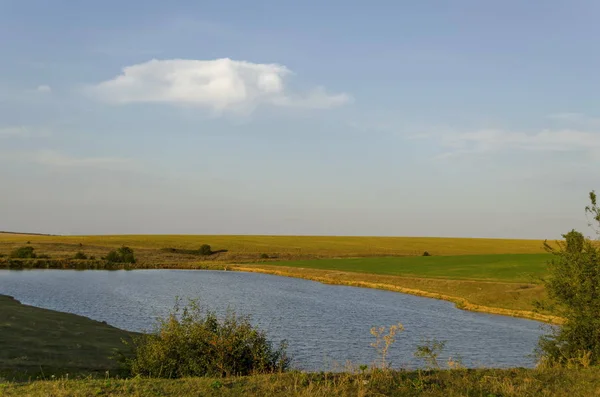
(35, 342)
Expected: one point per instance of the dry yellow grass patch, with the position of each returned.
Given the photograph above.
(296, 246)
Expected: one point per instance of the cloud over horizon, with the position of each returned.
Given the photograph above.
(44, 88)
(52, 158)
(218, 85)
(488, 140)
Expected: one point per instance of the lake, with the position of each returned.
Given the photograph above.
(325, 325)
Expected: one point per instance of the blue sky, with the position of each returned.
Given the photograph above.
(429, 118)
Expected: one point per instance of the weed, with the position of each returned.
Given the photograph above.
(429, 351)
(383, 340)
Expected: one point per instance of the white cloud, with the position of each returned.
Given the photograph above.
(23, 131)
(12, 131)
(53, 158)
(219, 85)
(44, 88)
(576, 118)
(488, 140)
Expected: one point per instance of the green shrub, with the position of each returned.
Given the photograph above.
(80, 255)
(191, 342)
(264, 256)
(205, 250)
(572, 283)
(121, 255)
(23, 253)
(426, 253)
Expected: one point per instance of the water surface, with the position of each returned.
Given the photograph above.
(324, 324)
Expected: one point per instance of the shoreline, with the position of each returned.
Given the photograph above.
(459, 303)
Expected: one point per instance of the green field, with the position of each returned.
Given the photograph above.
(499, 267)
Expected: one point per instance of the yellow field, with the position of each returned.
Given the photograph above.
(319, 246)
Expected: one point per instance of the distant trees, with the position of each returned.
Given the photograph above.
(205, 250)
(23, 253)
(573, 287)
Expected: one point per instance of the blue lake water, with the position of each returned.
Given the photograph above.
(325, 325)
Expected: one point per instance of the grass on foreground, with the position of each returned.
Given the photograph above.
(499, 267)
(449, 383)
(147, 247)
(35, 341)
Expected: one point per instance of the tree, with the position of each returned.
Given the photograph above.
(23, 253)
(121, 255)
(573, 287)
(205, 250)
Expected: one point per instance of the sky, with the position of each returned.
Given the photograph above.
(393, 118)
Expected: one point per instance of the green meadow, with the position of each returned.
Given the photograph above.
(496, 267)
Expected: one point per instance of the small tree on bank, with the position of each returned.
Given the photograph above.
(573, 287)
(121, 255)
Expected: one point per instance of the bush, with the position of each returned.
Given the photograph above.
(426, 253)
(191, 342)
(205, 250)
(122, 255)
(23, 253)
(80, 255)
(264, 256)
